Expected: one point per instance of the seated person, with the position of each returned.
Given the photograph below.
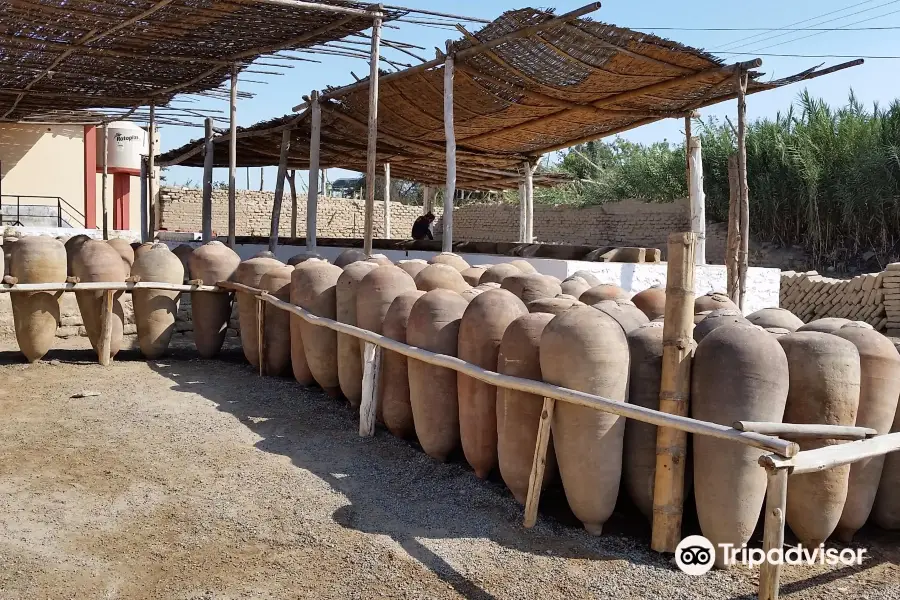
(422, 227)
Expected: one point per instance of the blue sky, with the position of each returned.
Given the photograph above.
(876, 81)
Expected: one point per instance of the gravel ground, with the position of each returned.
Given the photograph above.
(193, 479)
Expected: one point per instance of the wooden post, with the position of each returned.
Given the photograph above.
(387, 201)
(427, 198)
(292, 181)
(773, 535)
(523, 210)
(741, 78)
(450, 134)
(674, 392)
(151, 175)
(279, 188)
(261, 334)
(372, 148)
(529, 203)
(688, 134)
(312, 199)
(536, 479)
(103, 181)
(104, 350)
(698, 198)
(232, 160)
(206, 205)
(370, 389)
(732, 246)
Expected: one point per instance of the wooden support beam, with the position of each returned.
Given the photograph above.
(206, 204)
(292, 182)
(741, 79)
(104, 179)
(151, 175)
(387, 201)
(773, 534)
(828, 457)
(529, 203)
(798, 431)
(674, 392)
(104, 348)
(539, 464)
(450, 134)
(697, 196)
(372, 150)
(279, 189)
(523, 210)
(261, 334)
(232, 159)
(370, 389)
(733, 243)
(315, 144)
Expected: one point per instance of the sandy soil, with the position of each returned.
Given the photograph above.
(191, 479)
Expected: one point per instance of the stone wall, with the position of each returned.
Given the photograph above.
(626, 223)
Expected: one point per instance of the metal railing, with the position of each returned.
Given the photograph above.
(66, 214)
(786, 458)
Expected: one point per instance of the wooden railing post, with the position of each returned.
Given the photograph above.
(536, 479)
(370, 389)
(773, 535)
(104, 349)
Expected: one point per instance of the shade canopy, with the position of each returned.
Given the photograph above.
(526, 84)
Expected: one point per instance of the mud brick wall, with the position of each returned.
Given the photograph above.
(626, 223)
(811, 296)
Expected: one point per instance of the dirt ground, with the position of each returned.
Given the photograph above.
(189, 479)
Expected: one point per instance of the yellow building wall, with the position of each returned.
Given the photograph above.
(43, 160)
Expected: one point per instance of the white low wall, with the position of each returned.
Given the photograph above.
(762, 284)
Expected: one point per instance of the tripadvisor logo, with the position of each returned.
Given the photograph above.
(695, 555)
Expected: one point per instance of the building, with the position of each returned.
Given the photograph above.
(51, 175)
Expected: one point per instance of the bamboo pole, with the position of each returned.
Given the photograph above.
(798, 431)
(523, 210)
(370, 389)
(698, 198)
(103, 180)
(312, 199)
(732, 246)
(536, 479)
(773, 535)
(387, 201)
(279, 189)
(427, 199)
(232, 159)
(674, 392)
(530, 386)
(372, 146)
(119, 286)
(104, 348)
(151, 175)
(741, 79)
(450, 134)
(687, 148)
(206, 206)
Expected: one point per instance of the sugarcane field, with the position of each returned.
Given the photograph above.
(468, 326)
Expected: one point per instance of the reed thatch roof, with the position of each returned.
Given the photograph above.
(557, 86)
(60, 57)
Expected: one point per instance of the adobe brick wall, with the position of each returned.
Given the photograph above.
(626, 223)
